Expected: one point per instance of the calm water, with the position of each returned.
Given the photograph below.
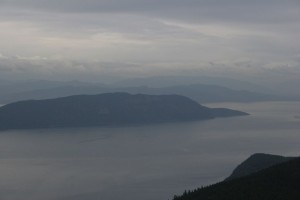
(141, 163)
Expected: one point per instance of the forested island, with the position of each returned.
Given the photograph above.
(109, 109)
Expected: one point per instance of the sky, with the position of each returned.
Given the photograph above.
(74, 39)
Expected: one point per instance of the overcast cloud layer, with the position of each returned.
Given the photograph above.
(42, 38)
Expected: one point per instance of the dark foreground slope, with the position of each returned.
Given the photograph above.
(105, 109)
(279, 182)
(257, 162)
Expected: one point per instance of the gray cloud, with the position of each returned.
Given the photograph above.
(195, 10)
(149, 36)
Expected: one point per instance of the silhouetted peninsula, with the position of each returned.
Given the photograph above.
(105, 110)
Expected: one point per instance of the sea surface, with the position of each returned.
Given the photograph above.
(152, 162)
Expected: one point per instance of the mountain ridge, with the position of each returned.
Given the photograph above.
(200, 92)
(276, 182)
(255, 163)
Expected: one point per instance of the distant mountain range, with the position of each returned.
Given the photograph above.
(199, 92)
(107, 109)
(169, 81)
(260, 177)
(271, 86)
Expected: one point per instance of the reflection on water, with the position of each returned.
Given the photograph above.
(145, 162)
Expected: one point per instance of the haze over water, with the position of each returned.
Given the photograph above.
(144, 162)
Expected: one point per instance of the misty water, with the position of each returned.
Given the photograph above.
(145, 162)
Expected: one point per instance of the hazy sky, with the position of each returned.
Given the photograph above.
(55, 38)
